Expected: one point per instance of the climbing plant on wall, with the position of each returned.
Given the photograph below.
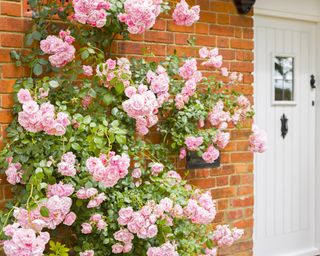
(79, 152)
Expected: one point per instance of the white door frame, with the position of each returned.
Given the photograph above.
(315, 20)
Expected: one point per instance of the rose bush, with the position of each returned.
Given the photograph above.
(77, 149)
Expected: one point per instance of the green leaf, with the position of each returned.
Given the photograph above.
(37, 69)
(92, 93)
(44, 211)
(108, 99)
(14, 55)
(28, 40)
(121, 139)
(36, 35)
(119, 88)
(79, 203)
(85, 54)
(75, 146)
(54, 84)
(87, 119)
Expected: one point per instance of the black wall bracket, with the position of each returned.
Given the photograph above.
(196, 162)
(244, 6)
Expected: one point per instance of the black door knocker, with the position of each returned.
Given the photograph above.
(313, 82)
(284, 126)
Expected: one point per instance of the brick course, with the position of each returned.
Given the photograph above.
(220, 25)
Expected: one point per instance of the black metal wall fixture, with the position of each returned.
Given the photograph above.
(196, 162)
(284, 126)
(244, 6)
(313, 82)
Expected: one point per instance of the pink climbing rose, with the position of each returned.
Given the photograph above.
(60, 48)
(185, 16)
(258, 140)
(211, 154)
(91, 12)
(193, 143)
(140, 15)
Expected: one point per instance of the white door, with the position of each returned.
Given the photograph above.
(285, 174)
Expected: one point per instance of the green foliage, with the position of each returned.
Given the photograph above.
(58, 249)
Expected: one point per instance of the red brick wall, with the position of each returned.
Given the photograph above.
(221, 26)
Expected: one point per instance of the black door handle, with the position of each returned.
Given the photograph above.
(284, 125)
(313, 82)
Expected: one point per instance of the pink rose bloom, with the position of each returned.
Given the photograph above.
(130, 91)
(136, 173)
(233, 76)
(184, 16)
(214, 61)
(140, 15)
(43, 93)
(86, 228)
(243, 102)
(125, 215)
(14, 173)
(166, 249)
(183, 153)
(85, 193)
(218, 117)
(117, 248)
(87, 70)
(159, 84)
(258, 140)
(91, 12)
(224, 237)
(224, 72)
(193, 143)
(96, 217)
(143, 107)
(101, 225)
(30, 107)
(97, 200)
(111, 64)
(24, 96)
(152, 231)
(9, 230)
(166, 204)
(188, 69)
(211, 154)
(66, 169)
(237, 233)
(87, 253)
(123, 235)
(69, 158)
(210, 252)
(25, 241)
(60, 49)
(156, 168)
(174, 175)
(222, 139)
(93, 164)
(60, 190)
(204, 52)
(177, 211)
(70, 219)
(127, 247)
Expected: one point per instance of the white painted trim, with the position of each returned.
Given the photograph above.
(287, 15)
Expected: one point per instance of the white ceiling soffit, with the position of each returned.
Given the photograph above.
(308, 10)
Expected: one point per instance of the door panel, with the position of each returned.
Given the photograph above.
(285, 174)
